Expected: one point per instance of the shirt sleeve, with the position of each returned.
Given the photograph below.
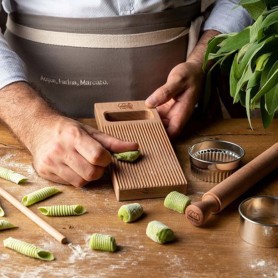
(228, 16)
(12, 68)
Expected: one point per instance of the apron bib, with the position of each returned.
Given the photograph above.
(75, 62)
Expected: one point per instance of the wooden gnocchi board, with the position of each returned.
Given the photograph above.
(158, 171)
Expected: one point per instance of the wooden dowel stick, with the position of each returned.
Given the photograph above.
(31, 215)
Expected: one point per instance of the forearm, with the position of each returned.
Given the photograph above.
(23, 110)
(197, 55)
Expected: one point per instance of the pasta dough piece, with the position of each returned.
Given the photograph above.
(102, 242)
(28, 249)
(39, 195)
(131, 212)
(2, 212)
(159, 232)
(5, 225)
(176, 201)
(129, 156)
(62, 210)
(12, 176)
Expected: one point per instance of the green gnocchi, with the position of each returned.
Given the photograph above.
(129, 156)
(159, 232)
(39, 195)
(177, 201)
(103, 242)
(12, 176)
(5, 225)
(2, 212)
(28, 249)
(62, 210)
(131, 212)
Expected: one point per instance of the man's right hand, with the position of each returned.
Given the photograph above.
(69, 152)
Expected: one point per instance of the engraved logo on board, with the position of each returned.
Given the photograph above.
(125, 105)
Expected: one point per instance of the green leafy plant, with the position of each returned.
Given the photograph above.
(250, 57)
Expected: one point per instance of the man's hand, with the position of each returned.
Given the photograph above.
(176, 99)
(69, 152)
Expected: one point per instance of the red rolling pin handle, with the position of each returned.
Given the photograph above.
(232, 187)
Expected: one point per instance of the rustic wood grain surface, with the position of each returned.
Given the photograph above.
(215, 250)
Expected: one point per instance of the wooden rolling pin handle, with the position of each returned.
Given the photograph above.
(232, 187)
(198, 212)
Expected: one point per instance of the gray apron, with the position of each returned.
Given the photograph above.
(77, 62)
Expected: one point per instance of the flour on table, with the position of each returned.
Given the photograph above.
(4, 257)
(77, 253)
(7, 162)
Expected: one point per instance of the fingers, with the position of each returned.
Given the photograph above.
(163, 94)
(176, 99)
(69, 167)
(175, 85)
(86, 170)
(176, 113)
(93, 152)
(66, 175)
(111, 143)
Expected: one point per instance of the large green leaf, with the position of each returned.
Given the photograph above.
(271, 100)
(254, 80)
(271, 82)
(254, 7)
(251, 51)
(271, 97)
(245, 69)
(255, 29)
(242, 82)
(266, 117)
(234, 77)
(268, 67)
(235, 41)
(263, 25)
(212, 48)
(247, 105)
(262, 61)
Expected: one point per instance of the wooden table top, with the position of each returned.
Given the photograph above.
(215, 250)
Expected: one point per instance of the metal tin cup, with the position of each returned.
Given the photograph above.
(214, 160)
(259, 221)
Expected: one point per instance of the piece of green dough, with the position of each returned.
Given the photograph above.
(102, 242)
(159, 232)
(131, 212)
(28, 249)
(129, 156)
(5, 225)
(12, 176)
(177, 201)
(2, 212)
(39, 195)
(62, 210)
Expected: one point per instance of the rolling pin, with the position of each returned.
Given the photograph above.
(232, 187)
(31, 215)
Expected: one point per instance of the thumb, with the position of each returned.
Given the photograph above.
(166, 92)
